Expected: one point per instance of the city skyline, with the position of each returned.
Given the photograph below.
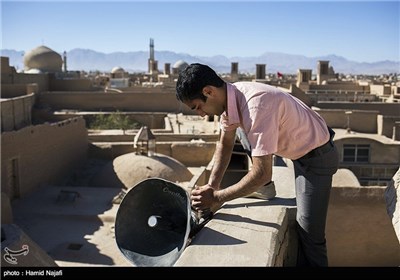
(359, 31)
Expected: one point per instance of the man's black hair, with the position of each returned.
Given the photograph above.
(193, 79)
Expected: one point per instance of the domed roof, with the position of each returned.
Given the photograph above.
(129, 169)
(43, 59)
(33, 71)
(345, 177)
(181, 65)
(117, 69)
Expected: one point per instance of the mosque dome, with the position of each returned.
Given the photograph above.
(117, 70)
(33, 71)
(129, 169)
(180, 65)
(43, 59)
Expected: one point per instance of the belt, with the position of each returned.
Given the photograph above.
(319, 151)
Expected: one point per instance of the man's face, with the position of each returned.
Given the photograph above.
(210, 107)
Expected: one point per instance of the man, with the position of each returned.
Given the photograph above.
(274, 123)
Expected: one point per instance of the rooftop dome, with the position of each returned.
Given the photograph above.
(345, 177)
(129, 169)
(117, 69)
(180, 65)
(43, 59)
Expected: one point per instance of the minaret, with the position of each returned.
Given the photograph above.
(152, 63)
(152, 49)
(65, 61)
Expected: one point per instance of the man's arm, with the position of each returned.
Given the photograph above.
(259, 175)
(222, 156)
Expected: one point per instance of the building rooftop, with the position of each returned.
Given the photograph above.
(343, 133)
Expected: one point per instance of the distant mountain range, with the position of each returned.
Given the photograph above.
(86, 59)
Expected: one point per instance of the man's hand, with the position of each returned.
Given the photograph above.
(204, 197)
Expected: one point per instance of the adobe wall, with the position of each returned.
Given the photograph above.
(140, 89)
(41, 154)
(7, 72)
(359, 231)
(193, 153)
(70, 84)
(127, 101)
(153, 120)
(161, 136)
(15, 90)
(386, 124)
(247, 231)
(188, 153)
(380, 90)
(12, 90)
(297, 92)
(386, 109)
(5, 65)
(360, 121)
(16, 112)
(343, 87)
(42, 80)
(380, 153)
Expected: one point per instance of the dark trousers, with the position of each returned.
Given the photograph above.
(313, 185)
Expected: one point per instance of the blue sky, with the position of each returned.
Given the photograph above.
(363, 31)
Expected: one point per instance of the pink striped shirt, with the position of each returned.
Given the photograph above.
(274, 121)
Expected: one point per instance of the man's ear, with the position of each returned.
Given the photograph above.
(207, 91)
